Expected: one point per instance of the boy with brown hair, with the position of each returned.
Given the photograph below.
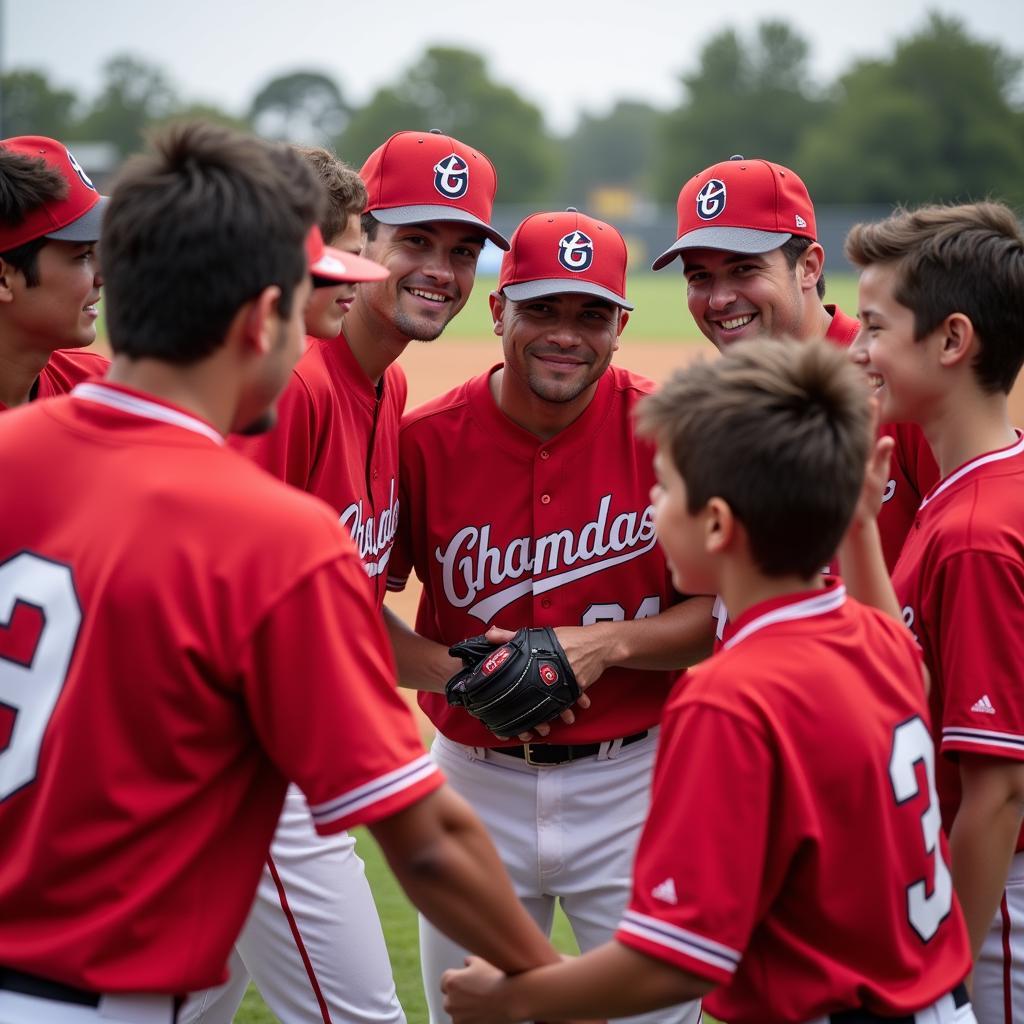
(50, 220)
(813, 707)
(942, 342)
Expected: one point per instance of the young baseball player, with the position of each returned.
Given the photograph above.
(525, 502)
(815, 888)
(313, 942)
(942, 308)
(172, 655)
(753, 267)
(50, 218)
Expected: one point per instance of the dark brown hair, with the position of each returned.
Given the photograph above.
(346, 193)
(26, 182)
(780, 431)
(196, 228)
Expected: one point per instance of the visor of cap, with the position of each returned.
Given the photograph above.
(333, 265)
(426, 213)
(87, 228)
(746, 240)
(561, 286)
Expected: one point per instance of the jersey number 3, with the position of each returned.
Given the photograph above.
(30, 688)
(911, 745)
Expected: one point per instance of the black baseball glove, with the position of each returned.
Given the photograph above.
(515, 686)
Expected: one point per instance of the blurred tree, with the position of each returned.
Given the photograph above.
(134, 94)
(200, 111)
(940, 120)
(31, 106)
(752, 98)
(615, 149)
(303, 106)
(451, 89)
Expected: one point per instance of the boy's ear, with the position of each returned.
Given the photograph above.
(719, 526)
(7, 271)
(959, 339)
(261, 319)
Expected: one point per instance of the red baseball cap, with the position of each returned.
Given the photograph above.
(741, 206)
(334, 265)
(422, 176)
(75, 218)
(553, 253)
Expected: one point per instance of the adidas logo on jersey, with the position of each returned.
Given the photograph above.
(666, 892)
(983, 706)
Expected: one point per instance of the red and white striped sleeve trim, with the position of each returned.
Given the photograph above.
(984, 741)
(384, 787)
(678, 941)
(396, 584)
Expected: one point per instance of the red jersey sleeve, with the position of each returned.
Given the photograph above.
(401, 563)
(289, 450)
(981, 647)
(698, 877)
(336, 725)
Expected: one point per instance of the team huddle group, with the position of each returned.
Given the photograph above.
(788, 583)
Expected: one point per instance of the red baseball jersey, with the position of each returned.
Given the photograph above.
(182, 635)
(337, 437)
(505, 529)
(960, 582)
(817, 877)
(913, 469)
(65, 368)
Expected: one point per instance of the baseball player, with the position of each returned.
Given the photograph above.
(753, 267)
(50, 219)
(525, 503)
(781, 904)
(313, 942)
(942, 305)
(172, 655)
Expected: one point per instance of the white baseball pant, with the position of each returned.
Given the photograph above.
(998, 991)
(312, 943)
(143, 1008)
(565, 832)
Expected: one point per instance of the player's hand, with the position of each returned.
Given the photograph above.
(497, 635)
(472, 994)
(876, 475)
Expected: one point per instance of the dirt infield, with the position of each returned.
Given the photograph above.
(438, 366)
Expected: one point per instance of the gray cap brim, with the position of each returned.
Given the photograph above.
(87, 228)
(729, 239)
(559, 286)
(423, 214)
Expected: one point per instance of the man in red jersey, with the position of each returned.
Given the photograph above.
(753, 267)
(792, 865)
(171, 651)
(525, 502)
(50, 216)
(313, 942)
(942, 307)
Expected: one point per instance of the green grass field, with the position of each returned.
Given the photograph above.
(660, 300)
(399, 920)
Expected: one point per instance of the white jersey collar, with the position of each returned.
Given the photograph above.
(819, 604)
(115, 398)
(970, 467)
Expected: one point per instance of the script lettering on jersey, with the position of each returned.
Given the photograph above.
(373, 536)
(472, 567)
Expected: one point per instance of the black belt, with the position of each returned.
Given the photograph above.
(959, 994)
(562, 753)
(44, 988)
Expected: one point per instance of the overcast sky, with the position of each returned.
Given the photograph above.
(567, 56)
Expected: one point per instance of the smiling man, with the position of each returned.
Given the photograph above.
(525, 502)
(50, 220)
(754, 268)
(313, 942)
